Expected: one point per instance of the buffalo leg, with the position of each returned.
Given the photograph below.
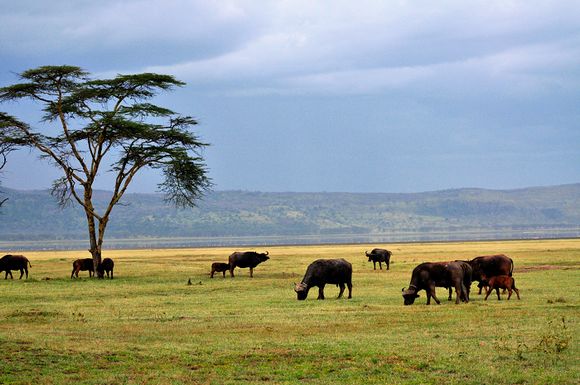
(321, 292)
(374, 265)
(509, 293)
(341, 285)
(112, 274)
(434, 296)
(224, 273)
(381, 265)
(21, 273)
(10, 272)
(497, 291)
(387, 265)
(251, 272)
(232, 271)
(487, 293)
(211, 273)
(458, 293)
(6, 276)
(450, 297)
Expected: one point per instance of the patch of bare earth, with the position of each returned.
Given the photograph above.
(527, 269)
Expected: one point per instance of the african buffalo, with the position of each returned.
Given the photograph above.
(427, 276)
(490, 266)
(219, 267)
(105, 266)
(82, 264)
(323, 271)
(11, 262)
(244, 259)
(501, 282)
(380, 256)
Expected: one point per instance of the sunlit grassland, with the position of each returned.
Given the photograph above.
(149, 326)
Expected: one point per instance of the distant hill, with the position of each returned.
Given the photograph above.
(30, 216)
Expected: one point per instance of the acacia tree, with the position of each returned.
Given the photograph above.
(93, 127)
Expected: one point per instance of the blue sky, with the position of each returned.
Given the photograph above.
(365, 96)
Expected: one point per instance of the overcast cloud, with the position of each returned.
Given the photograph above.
(303, 95)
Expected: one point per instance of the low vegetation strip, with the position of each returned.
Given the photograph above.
(147, 325)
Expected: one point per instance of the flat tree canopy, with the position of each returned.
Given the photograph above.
(96, 126)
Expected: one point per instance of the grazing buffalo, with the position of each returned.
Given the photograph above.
(14, 262)
(427, 276)
(244, 259)
(82, 264)
(490, 266)
(380, 256)
(501, 282)
(323, 271)
(220, 268)
(105, 266)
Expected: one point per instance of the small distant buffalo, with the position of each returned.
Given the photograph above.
(489, 266)
(105, 266)
(323, 271)
(380, 256)
(219, 267)
(11, 262)
(429, 275)
(82, 264)
(501, 282)
(245, 259)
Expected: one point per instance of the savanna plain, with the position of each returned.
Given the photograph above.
(148, 326)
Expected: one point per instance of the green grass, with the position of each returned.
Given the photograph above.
(149, 326)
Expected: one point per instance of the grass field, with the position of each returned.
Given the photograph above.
(147, 326)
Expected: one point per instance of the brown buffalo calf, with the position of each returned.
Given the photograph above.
(502, 282)
(220, 268)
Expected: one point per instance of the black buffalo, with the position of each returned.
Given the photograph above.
(106, 266)
(245, 259)
(82, 264)
(490, 266)
(428, 275)
(380, 256)
(14, 262)
(323, 271)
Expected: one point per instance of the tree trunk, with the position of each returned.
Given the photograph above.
(95, 247)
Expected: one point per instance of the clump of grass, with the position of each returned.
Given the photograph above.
(557, 300)
(557, 337)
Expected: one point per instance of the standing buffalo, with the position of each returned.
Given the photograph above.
(502, 282)
(219, 267)
(380, 256)
(82, 264)
(244, 259)
(427, 276)
(323, 271)
(490, 266)
(105, 266)
(14, 262)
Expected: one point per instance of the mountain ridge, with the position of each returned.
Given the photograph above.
(33, 215)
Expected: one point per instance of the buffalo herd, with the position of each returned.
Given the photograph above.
(492, 272)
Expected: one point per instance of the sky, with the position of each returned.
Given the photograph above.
(349, 96)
